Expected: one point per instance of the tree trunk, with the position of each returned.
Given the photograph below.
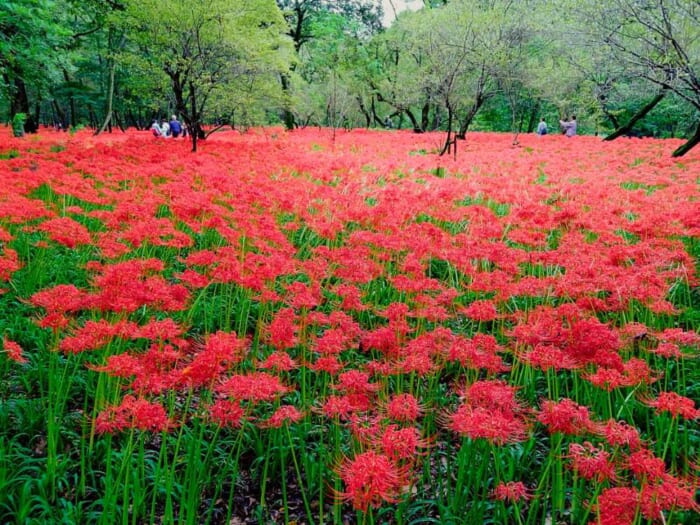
(449, 141)
(692, 142)
(110, 92)
(195, 128)
(639, 115)
(414, 122)
(287, 115)
(19, 103)
(425, 116)
(464, 126)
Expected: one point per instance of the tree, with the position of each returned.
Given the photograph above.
(307, 20)
(30, 49)
(208, 47)
(658, 40)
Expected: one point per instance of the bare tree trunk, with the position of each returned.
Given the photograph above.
(639, 115)
(692, 142)
(110, 91)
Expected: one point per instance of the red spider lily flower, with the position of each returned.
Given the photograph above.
(356, 382)
(403, 408)
(565, 417)
(401, 444)
(478, 353)
(667, 350)
(278, 361)
(226, 413)
(591, 463)
(493, 395)
(96, 334)
(332, 342)
(495, 426)
(617, 506)
(66, 231)
(548, 357)
(9, 264)
(645, 465)
(383, 339)
(344, 407)
(365, 428)
(351, 297)
(512, 491)
(481, 310)
(282, 330)
(619, 434)
(680, 337)
(674, 404)
(255, 387)
(329, 364)
(132, 413)
(13, 351)
(667, 494)
(371, 479)
(60, 299)
(284, 415)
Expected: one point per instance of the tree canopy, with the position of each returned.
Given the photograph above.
(625, 67)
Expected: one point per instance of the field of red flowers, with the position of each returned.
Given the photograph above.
(311, 327)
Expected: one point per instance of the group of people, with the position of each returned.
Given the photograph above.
(568, 126)
(166, 129)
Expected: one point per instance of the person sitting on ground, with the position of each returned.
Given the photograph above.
(569, 126)
(542, 127)
(165, 128)
(175, 127)
(155, 128)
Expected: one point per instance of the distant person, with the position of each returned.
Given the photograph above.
(165, 128)
(388, 124)
(542, 127)
(155, 128)
(175, 127)
(568, 127)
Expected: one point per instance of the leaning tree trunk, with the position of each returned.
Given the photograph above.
(692, 142)
(639, 115)
(110, 92)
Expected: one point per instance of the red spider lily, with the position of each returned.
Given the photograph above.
(13, 351)
(548, 357)
(284, 415)
(495, 426)
(356, 382)
(329, 364)
(565, 417)
(481, 311)
(619, 434)
(344, 407)
(278, 361)
(226, 413)
(9, 264)
(645, 465)
(674, 404)
(282, 329)
(371, 479)
(512, 491)
(666, 494)
(60, 299)
(617, 506)
(401, 444)
(133, 413)
(591, 463)
(403, 408)
(255, 387)
(66, 231)
(479, 352)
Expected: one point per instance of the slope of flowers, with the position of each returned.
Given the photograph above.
(508, 335)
